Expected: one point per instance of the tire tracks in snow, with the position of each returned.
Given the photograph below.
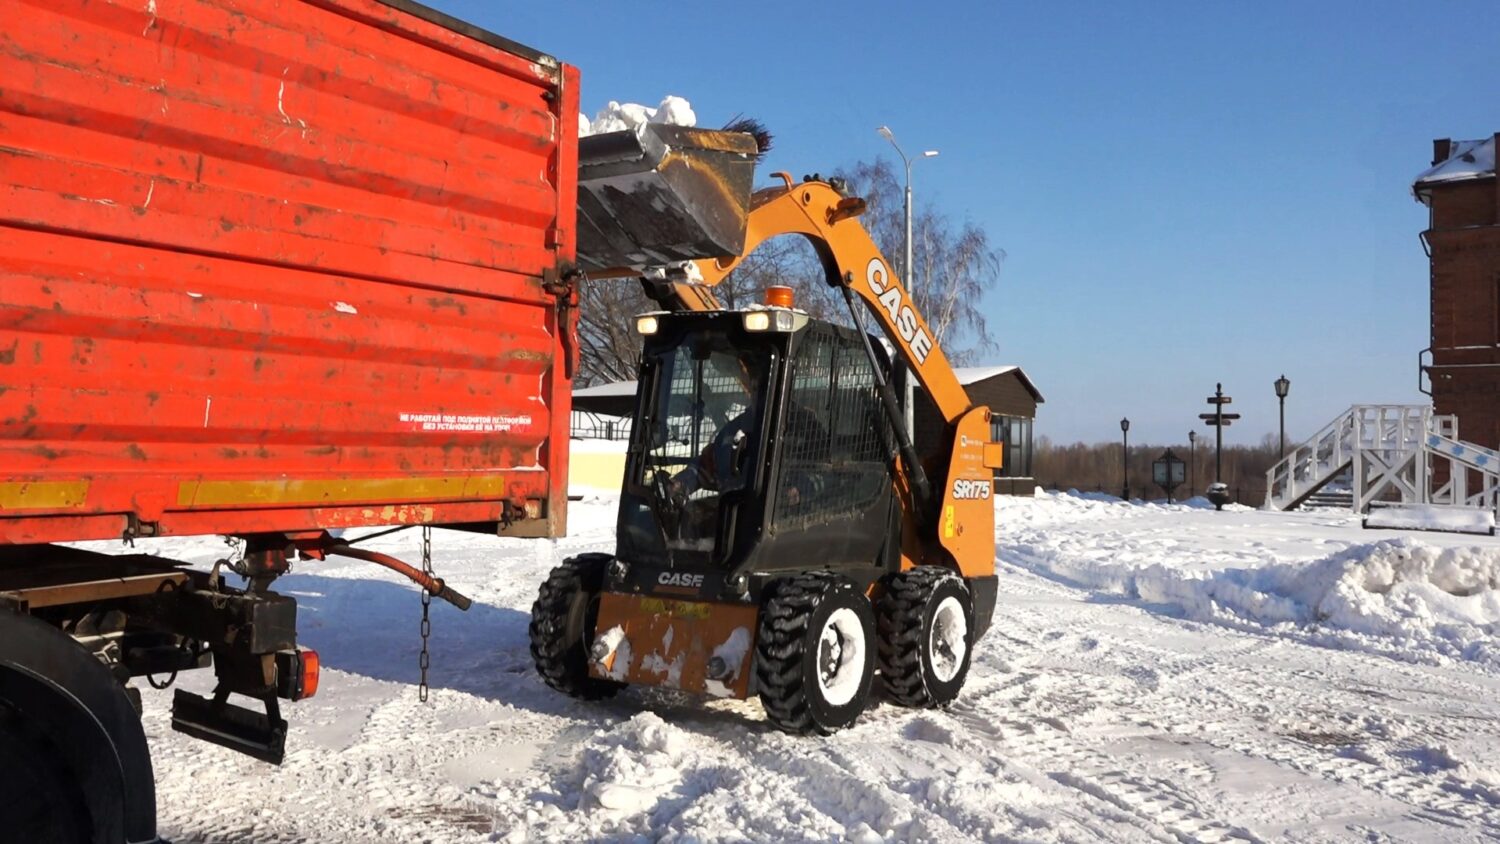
(1224, 697)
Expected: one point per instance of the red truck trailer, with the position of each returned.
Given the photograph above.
(268, 269)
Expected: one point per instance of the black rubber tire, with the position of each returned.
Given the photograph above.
(791, 624)
(562, 627)
(904, 616)
(41, 800)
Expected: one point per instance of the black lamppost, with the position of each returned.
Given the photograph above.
(1192, 463)
(1282, 386)
(1125, 457)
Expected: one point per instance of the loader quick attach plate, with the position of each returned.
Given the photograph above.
(670, 643)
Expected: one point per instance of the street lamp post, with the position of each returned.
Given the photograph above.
(906, 269)
(1192, 463)
(906, 266)
(1125, 461)
(1283, 386)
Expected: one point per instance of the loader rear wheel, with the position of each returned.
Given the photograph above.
(562, 627)
(815, 655)
(925, 623)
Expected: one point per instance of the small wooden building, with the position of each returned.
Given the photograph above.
(1012, 398)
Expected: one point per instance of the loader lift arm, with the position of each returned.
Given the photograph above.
(961, 518)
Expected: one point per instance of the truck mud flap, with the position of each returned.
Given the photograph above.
(258, 735)
(662, 194)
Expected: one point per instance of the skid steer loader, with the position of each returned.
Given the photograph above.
(778, 534)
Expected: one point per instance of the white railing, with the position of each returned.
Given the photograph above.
(1376, 428)
(1396, 452)
(1473, 476)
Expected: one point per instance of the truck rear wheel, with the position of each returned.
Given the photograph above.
(925, 619)
(815, 655)
(42, 802)
(562, 627)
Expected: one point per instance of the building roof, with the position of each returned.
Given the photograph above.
(618, 398)
(1466, 160)
(613, 399)
(974, 374)
(612, 389)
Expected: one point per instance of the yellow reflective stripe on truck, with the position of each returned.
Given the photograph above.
(338, 490)
(43, 495)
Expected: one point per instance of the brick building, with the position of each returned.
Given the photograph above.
(1463, 242)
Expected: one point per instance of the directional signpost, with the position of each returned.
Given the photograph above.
(1218, 420)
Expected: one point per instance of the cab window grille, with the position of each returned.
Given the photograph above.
(835, 447)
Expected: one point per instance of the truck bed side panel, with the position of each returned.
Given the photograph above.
(278, 266)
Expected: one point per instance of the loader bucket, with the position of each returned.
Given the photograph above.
(661, 194)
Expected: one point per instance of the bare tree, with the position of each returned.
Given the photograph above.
(955, 265)
(608, 347)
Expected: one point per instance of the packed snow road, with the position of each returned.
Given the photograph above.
(1154, 674)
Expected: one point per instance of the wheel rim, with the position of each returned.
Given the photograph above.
(947, 641)
(841, 657)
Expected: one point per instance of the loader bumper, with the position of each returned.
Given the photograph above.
(696, 646)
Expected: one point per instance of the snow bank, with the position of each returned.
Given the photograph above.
(1400, 596)
(1432, 517)
(617, 117)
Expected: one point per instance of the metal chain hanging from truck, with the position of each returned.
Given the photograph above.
(423, 660)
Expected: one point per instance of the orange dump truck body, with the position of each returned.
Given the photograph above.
(279, 267)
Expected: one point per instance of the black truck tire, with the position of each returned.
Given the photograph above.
(41, 799)
(67, 714)
(815, 654)
(562, 627)
(925, 624)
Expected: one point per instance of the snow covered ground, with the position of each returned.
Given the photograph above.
(1154, 674)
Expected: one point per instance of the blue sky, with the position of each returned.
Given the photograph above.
(1187, 192)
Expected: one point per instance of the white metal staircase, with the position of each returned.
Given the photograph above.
(1397, 452)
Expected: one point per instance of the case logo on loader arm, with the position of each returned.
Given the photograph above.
(893, 299)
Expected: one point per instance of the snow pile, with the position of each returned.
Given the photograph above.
(618, 117)
(1400, 596)
(631, 766)
(1432, 517)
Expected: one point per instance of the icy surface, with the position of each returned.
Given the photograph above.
(1153, 674)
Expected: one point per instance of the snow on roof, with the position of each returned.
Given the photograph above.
(610, 390)
(974, 374)
(1466, 160)
(969, 374)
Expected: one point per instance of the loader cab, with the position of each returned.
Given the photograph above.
(760, 445)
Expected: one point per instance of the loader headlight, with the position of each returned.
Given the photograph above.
(646, 324)
(774, 320)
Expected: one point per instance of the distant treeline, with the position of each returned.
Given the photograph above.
(1096, 467)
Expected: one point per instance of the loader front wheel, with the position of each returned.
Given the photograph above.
(925, 625)
(562, 627)
(815, 655)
